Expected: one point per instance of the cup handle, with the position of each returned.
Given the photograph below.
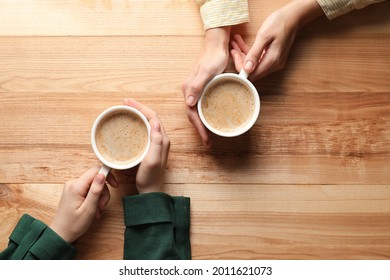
(104, 170)
(243, 74)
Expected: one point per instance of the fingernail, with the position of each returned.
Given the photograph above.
(248, 66)
(100, 179)
(190, 100)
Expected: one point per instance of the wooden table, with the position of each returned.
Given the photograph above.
(311, 180)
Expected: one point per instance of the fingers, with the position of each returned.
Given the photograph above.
(194, 118)
(81, 185)
(194, 85)
(266, 54)
(95, 192)
(159, 146)
(146, 111)
(237, 38)
(89, 175)
(112, 180)
(186, 87)
(150, 115)
(265, 67)
(158, 136)
(155, 152)
(272, 60)
(256, 51)
(237, 55)
(166, 142)
(103, 200)
(194, 89)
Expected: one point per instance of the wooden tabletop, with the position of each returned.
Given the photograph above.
(311, 180)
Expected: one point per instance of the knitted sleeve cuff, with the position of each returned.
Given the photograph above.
(217, 13)
(335, 8)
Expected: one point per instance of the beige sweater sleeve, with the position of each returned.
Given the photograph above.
(217, 13)
(335, 8)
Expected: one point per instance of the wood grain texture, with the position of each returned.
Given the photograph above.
(116, 64)
(344, 138)
(236, 221)
(311, 180)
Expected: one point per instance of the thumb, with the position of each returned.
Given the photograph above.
(156, 143)
(253, 56)
(103, 200)
(195, 88)
(95, 191)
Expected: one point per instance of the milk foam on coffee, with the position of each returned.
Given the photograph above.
(121, 137)
(228, 105)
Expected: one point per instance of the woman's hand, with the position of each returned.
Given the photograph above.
(212, 61)
(82, 202)
(150, 174)
(274, 39)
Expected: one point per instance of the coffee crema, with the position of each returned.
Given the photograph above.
(121, 137)
(228, 105)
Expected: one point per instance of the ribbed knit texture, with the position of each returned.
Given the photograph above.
(217, 13)
(335, 8)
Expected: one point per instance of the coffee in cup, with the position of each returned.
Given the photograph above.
(229, 105)
(120, 137)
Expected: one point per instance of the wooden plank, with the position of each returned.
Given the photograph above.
(239, 221)
(162, 17)
(344, 138)
(292, 252)
(116, 64)
(327, 115)
(99, 18)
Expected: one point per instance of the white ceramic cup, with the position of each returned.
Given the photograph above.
(243, 79)
(107, 165)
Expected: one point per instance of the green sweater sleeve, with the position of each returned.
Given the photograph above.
(33, 240)
(157, 227)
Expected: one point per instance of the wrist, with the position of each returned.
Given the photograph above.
(151, 189)
(155, 185)
(218, 37)
(302, 12)
(62, 233)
